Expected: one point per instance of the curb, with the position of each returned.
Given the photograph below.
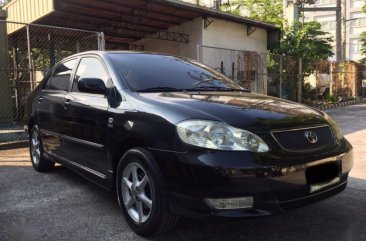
(11, 145)
(341, 104)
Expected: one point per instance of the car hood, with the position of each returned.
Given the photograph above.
(240, 109)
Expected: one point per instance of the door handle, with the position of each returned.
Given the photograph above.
(40, 99)
(67, 102)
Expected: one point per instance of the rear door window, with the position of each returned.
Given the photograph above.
(60, 79)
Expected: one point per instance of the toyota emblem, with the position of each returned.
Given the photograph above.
(311, 136)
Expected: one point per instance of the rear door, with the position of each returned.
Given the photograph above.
(50, 104)
(85, 121)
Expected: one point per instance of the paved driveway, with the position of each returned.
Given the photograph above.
(63, 206)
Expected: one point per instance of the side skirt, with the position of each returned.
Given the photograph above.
(98, 178)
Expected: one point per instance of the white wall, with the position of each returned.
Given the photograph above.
(192, 28)
(226, 36)
(220, 34)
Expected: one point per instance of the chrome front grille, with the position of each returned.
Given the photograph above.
(297, 140)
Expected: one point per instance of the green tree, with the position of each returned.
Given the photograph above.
(363, 47)
(300, 41)
(363, 40)
(3, 3)
(306, 41)
(269, 11)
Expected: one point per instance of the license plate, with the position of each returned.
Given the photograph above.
(319, 186)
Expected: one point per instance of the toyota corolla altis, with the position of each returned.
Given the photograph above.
(173, 137)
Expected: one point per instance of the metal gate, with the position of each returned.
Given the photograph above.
(265, 73)
(27, 52)
(246, 67)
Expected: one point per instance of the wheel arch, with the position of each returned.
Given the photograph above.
(119, 150)
(31, 123)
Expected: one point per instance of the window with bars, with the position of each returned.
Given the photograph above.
(355, 46)
(325, 2)
(358, 19)
(328, 23)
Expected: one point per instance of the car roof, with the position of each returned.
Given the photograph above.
(104, 52)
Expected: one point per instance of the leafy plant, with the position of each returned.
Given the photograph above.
(363, 47)
(307, 92)
(269, 11)
(305, 41)
(363, 40)
(3, 3)
(331, 99)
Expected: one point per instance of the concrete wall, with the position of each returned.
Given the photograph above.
(226, 34)
(223, 41)
(222, 34)
(193, 28)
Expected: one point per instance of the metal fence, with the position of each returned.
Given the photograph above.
(334, 82)
(283, 76)
(27, 53)
(265, 73)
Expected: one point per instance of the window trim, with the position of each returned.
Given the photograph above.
(321, 3)
(77, 66)
(358, 44)
(46, 85)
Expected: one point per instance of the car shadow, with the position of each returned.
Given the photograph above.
(78, 209)
(337, 218)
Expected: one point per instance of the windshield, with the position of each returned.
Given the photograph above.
(153, 72)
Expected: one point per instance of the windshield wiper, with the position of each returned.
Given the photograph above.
(159, 88)
(216, 88)
(208, 80)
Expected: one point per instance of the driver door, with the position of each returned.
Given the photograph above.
(85, 122)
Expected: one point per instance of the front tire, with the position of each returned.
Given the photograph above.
(142, 194)
(39, 162)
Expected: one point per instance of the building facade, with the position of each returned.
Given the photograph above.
(353, 21)
(353, 24)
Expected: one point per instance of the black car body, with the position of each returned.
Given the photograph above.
(90, 127)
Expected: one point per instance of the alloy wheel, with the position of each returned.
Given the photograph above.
(35, 148)
(136, 192)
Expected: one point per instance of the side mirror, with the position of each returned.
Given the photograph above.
(92, 85)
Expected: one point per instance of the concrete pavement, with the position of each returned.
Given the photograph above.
(63, 206)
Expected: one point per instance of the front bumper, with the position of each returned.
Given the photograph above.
(275, 183)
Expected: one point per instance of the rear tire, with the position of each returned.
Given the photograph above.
(138, 175)
(39, 162)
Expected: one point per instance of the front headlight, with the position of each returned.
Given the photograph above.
(217, 135)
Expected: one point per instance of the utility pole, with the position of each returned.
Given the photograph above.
(344, 39)
(338, 10)
(339, 31)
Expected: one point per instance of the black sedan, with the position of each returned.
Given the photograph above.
(173, 137)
